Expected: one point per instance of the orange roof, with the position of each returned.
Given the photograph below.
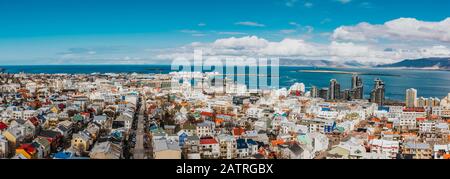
(421, 119)
(375, 119)
(372, 137)
(219, 121)
(30, 149)
(408, 134)
(414, 110)
(277, 142)
(389, 125)
(207, 114)
(447, 156)
(237, 131)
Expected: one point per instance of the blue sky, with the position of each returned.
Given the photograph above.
(45, 30)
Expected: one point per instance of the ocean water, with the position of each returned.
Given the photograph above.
(428, 83)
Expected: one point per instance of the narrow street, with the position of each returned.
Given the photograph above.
(139, 151)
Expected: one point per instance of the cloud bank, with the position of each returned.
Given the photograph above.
(403, 38)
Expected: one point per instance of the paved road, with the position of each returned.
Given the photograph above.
(139, 151)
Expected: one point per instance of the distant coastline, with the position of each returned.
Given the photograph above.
(345, 72)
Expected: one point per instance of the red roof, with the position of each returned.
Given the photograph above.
(207, 114)
(28, 148)
(238, 131)
(3, 126)
(85, 113)
(414, 110)
(421, 119)
(34, 120)
(208, 141)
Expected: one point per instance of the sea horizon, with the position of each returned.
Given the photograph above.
(429, 83)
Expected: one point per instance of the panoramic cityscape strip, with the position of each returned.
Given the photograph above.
(224, 79)
(192, 114)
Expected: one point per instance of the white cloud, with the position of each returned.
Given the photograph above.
(348, 50)
(294, 24)
(392, 41)
(231, 33)
(249, 23)
(405, 29)
(288, 31)
(239, 43)
(189, 31)
(308, 4)
(344, 1)
(292, 47)
(435, 51)
(290, 3)
(201, 24)
(326, 20)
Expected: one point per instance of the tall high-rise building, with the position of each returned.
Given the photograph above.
(335, 90)
(346, 95)
(422, 102)
(378, 91)
(314, 92)
(323, 93)
(411, 98)
(357, 91)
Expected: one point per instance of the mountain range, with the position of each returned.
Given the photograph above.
(423, 63)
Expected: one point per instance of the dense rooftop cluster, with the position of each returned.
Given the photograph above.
(124, 116)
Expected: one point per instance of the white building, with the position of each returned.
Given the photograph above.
(4, 147)
(390, 148)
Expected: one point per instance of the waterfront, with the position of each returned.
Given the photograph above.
(429, 83)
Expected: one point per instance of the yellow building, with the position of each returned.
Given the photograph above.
(14, 136)
(80, 142)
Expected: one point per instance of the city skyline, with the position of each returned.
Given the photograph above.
(140, 32)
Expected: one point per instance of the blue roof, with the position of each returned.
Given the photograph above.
(326, 109)
(251, 142)
(63, 155)
(241, 144)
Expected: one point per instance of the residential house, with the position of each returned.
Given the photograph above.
(166, 149)
(15, 135)
(27, 150)
(102, 120)
(28, 126)
(4, 147)
(53, 137)
(242, 148)
(441, 151)
(106, 150)
(81, 142)
(209, 148)
(227, 146)
(205, 129)
(192, 144)
(387, 147)
(43, 145)
(3, 127)
(93, 130)
(417, 150)
(65, 128)
(123, 121)
(189, 129)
